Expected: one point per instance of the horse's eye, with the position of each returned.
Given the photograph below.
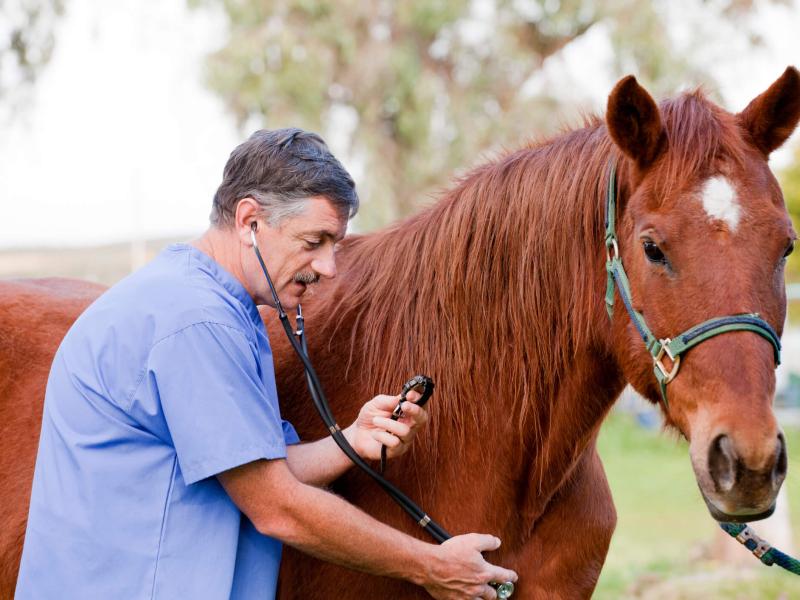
(653, 252)
(789, 249)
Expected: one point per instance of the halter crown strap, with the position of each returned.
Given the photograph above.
(675, 347)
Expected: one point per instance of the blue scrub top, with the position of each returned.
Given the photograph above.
(165, 381)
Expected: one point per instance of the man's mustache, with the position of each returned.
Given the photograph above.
(306, 278)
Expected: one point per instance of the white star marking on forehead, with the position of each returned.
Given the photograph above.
(720, 202)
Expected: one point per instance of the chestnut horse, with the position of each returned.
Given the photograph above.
(497, 292)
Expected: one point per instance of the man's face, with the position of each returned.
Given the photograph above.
(299, 251)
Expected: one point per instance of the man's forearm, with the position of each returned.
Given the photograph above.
(322, 524)
(318, 463)
(330, 528)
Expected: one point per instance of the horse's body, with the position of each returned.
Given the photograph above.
(34, 316)
(497, 293)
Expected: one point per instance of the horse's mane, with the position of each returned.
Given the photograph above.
(494, 289)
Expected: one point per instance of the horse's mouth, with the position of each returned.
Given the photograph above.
(740, 517)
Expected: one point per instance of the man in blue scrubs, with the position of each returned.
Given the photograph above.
(164, 467)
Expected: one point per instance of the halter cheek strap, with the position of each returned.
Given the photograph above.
(661, 347)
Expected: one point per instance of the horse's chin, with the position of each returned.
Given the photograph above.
(739, 517)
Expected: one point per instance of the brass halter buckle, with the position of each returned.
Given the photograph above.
(676, 361)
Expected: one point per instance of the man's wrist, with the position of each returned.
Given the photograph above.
(420, 563)
(349, 434)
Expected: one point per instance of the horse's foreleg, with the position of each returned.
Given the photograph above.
(570, 540)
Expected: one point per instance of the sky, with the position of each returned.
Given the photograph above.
(123, 141)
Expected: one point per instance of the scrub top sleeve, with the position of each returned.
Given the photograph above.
(207, 380)
(289, 434)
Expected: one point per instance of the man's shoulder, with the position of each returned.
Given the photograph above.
(167, 295)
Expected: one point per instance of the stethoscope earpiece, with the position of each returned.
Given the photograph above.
(253, 229)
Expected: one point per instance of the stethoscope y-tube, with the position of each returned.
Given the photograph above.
(297, 339)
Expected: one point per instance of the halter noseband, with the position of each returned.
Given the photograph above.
(675, 347)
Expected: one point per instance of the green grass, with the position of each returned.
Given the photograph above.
(664, 531)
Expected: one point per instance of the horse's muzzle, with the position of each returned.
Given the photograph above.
(736, 491)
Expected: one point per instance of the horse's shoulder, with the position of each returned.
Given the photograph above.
(43, 307)
(61, 287)
(48, 290)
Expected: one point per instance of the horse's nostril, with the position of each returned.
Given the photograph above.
(722, 463)
(781, 464)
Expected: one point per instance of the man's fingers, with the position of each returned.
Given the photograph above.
(501, 575)
(488, 593)
(399, 429)
(386, 438)
(417, 413)
(483, 542)
(385, 402)
(413, 396)
(409, 408)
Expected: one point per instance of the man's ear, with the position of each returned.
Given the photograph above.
(772, 116)
(634, 122)
(246, 215)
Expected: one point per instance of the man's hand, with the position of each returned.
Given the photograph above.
(461, 571)
(374, 427)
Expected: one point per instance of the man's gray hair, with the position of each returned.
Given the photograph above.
(277, 208)
(281, 170)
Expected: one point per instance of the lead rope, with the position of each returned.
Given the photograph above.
(437, 532)
(674, 348)
(760, 547)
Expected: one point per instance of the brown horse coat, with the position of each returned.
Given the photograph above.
(34, 316)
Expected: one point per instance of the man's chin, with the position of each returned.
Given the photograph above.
(291, 301)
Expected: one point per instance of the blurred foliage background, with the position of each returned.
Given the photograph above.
(27, 39)
(425, 87)
(420, 89)
(790, 182)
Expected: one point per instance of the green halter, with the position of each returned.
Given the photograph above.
(675, 347)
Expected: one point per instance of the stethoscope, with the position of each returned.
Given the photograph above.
(297, 339)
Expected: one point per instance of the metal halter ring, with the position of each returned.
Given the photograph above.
(612, 244)
(676, 361)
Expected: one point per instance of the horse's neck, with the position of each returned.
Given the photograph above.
(531, 343)
(580, 403)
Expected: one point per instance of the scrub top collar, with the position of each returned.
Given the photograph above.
(223, 277)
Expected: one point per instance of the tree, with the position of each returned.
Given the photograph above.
(424, 86)
(27, 40)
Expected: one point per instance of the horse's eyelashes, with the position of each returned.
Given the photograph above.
(789, 249)
(653, 252)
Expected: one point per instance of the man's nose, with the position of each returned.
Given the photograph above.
(325, 266)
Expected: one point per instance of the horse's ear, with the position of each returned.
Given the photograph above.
(771, 117)
(634, 122)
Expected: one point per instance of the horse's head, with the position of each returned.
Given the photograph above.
(703, 232)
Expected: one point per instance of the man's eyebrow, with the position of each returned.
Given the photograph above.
(326, 233)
